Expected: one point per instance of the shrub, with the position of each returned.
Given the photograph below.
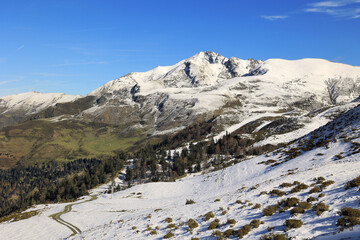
(311, 199)
(134, 228)
(285, 185)
(321, 195)
(217, 233)
(270, 210)
(192, 223)
(350, 212)
(153, 232)
(290, 202)
(228, 233)
(171, 225)
(320, 180)
(214, 224)
(224, 212)
(239, 202)
(217, 200)
(327, 183)
(293, 223)
(255, 223)
(243, 231)
(296, 183)
(277, 192)
(353, 183)
(189, 201)
(299, 187)
(274, 236)
(315, 190)
(257, 206)
(208, 216)
(231, 221)
(351, 217)
(195, 238)
(320, 208)
(262, 193)
(297, 210)
(348, 221)
(168, 220)
(305, 205)
(169, 235)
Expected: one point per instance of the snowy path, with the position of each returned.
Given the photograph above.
(68, 208)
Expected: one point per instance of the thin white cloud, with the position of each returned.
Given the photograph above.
(276, 17)
(2, 60)
(20, 48)
(349, 9)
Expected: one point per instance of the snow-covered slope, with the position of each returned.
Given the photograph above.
(15, 108)
(32, 102)
(240, 192)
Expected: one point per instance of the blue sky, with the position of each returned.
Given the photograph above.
(75, 46)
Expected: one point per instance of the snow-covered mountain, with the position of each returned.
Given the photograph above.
(278, 96)
(15, 108)
(253, 198)
(204, 85)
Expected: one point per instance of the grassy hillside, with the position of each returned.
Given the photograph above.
(43, 140)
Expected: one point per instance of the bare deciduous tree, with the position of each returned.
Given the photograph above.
(332, 89)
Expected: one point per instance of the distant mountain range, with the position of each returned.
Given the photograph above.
(205, 86)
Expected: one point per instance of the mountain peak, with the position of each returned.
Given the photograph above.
(208, 56)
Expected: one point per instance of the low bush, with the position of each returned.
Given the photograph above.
(189, 201)
(315, 190)
(320, 208)
(208, 216)
(350, 212)
(353, 183)
(351, 217)
(311, 199)
(228, 233)
(274, 236)
(305, 205)
(285, 185)
(257, 206)
(239, 202)
(321, 195)
(171, 225)
(169, 235)
(192, 223)
(347, 222)
(231, 221)
(277, 192)
(297, 210)
(153, 232)
(327, 183)
(217, 233)
(299, 187)
(217, 200)
(290, 202)
(243, 231)
(255, 223)
(214, 224)
(293, 223)
(270, 210)
(168, 220)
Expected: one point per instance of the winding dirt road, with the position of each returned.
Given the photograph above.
(73, 228)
